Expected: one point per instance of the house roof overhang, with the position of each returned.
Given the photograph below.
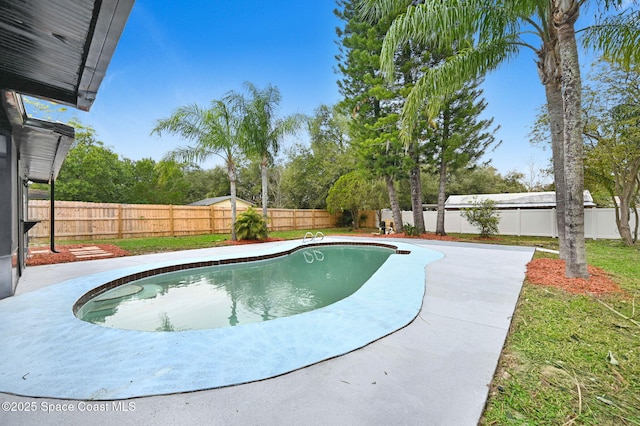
(57, 50)
(43, 145)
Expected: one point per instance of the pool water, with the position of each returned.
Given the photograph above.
(237, 294)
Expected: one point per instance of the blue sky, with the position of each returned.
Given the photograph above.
(177, 53)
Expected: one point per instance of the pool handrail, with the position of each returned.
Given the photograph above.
(313, 237)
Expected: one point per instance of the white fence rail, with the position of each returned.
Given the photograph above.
(598, 223)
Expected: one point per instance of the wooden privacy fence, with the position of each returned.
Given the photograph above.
(92, 221)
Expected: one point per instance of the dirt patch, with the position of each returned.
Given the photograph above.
(43, 256)
(551, 273)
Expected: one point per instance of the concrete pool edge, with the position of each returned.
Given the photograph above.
(50, 353)
(221, 261)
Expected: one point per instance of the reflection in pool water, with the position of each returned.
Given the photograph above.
(242, 293)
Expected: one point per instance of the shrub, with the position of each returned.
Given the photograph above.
(250, 225)
(345, 220)
(362, 219)
(410, 230)
(483, 216)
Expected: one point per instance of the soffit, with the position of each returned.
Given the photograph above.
(59, 49)
(42, 145)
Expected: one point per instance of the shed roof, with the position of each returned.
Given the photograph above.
(216, 200)
(512, 200)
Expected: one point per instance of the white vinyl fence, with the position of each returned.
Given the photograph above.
(599, 223)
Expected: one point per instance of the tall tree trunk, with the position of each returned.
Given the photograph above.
(231, 173)
(416, 191)
(635, 210)
(554, 107)
(265, 193)
(637, 224)
(565, 15)
(442, 178)
(442, 182)
(626, 188)
(550, 75)
(395, 205)
(623, 215)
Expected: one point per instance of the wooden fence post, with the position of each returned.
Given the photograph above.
(171, 220)
(211, 214)
(119, 221)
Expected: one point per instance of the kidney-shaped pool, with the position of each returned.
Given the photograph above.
(238, 293)
(49, 352)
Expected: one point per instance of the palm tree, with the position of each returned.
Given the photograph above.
(214, 132)
(497, 29)
(260, 130)
(624, 48)
(551, 77)
(565, 14)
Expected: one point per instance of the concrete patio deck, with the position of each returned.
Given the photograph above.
(435, 371)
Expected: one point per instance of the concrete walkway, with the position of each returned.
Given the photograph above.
(435, 371)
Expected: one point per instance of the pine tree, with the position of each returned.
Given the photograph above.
(458, 138)
(375, 105)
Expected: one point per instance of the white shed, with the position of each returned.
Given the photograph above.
(519, 200)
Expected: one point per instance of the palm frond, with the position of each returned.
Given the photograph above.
(188, 154)
(213, 132)
(440, 83)
(617, 37)
(185, 121)
(443, 24)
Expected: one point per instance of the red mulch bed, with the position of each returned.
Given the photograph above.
(425, 236)
(551, 273)
(65, 256)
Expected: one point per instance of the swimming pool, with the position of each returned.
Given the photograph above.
(65, 357)
(237, 294)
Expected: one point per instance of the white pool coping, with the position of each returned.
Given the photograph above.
(48, 352)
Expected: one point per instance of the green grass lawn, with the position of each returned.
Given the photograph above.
(568, 359)
(160, 244)
(137, 246)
